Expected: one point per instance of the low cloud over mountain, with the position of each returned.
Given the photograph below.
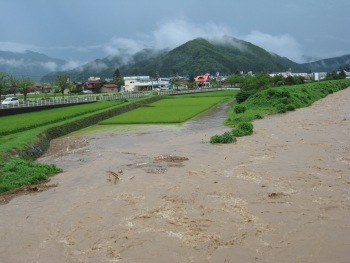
(31, 64)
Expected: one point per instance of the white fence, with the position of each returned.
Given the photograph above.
(187, 91)
(95, 97)
(47, 102)
(125, 96)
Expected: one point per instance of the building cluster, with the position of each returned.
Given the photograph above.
(143, 83)
(308, 76)
(146, 83)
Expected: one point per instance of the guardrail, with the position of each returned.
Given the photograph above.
(47, 102)
(125, 96)
(187, 91)
(94, 97)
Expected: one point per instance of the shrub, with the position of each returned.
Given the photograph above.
(243, 129)
(239, 109)
(290, 107)
(227, 137)
(244, 95)
(18, 172)
(281, 108)
(271, 92)
(258, 116)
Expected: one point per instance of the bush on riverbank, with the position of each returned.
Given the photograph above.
(18, 172)
(280, 100)
(227, 137)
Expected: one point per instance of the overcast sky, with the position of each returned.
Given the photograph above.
(83, 30)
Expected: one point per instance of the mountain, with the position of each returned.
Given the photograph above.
(198, 56)
(28, 64)
(105, 67)
(328, 65)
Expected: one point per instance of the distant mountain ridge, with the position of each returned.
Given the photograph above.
(329, 64)
(226, 55)
(29, 64)
(195, 57)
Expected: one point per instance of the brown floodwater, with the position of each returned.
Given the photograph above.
(162, 193)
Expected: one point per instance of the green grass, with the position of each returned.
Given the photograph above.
(21, 136)
(18, 172)
(175, 109)
(25, 121)
(274, 101)
(283, 99)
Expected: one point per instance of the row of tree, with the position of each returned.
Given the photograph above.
(262, 80)
(337, 75)
(13, 85)
(62, 83)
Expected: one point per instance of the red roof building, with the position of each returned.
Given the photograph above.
(202, 79)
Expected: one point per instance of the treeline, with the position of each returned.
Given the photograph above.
(262, 80)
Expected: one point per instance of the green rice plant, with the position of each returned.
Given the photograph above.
(221, 93)
(25, 121)
(175, 109)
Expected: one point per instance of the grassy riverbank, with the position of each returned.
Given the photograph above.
(272, 101)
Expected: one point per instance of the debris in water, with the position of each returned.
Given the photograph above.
(114, 174)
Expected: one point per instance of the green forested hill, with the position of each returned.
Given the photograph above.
(328, 65)
(198, 56)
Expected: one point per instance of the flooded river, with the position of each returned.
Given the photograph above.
(162, 193)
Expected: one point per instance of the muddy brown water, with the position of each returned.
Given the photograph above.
(162, 193)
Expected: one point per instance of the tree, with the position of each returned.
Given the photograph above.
(278, 80)
(342, 74)
(4, 82)
(248, 83)
(235, 79)
(262, 80)
(118, 78)
(13, 84)
(24, 84)
(290, 80)
(191, 82)
(62, 81)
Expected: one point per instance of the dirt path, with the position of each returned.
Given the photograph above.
(163, 194)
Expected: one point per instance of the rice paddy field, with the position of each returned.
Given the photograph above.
(25, 121)
(173, 109)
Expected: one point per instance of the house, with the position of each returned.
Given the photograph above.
(203, 81)
(347, 74)
(108, 88)
(93, 85)
(141, 83)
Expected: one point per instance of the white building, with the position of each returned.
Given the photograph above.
(347, 74)
(140, 83)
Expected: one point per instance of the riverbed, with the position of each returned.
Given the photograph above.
(162, 193)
